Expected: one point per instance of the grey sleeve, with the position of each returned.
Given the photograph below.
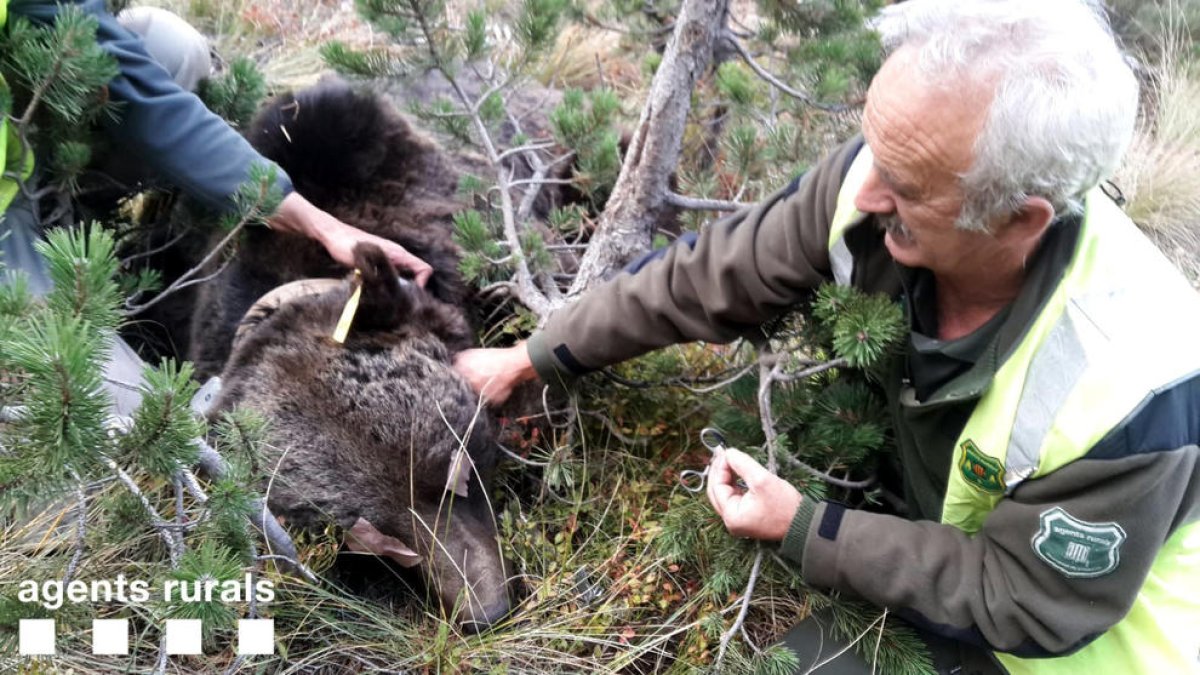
(741, 271)
(1003, 588)
(168, 127)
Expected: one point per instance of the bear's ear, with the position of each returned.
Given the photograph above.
(364, 538)
(267, 305)
(386, 298)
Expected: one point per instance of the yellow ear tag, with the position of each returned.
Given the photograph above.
(343, 324)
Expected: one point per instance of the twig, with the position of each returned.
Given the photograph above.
(528, 147)
(185, 280)
(180, 517)
(741, 615)
(514, 456)
(698, 204)
(764, 404)
(768, 369)
(161, 666)
(80, 529)
(540, 181)
(174, 545)
(692, 384)
(600, 71)
(612, 429)
(878, 640)
(843, 650)
(44, 86)
(498, 286)
(193, 486)
(157, 249)
(832, 480)
(777, 83)
(839, 362)
(549, 418)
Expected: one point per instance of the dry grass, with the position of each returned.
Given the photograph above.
(1161, 173)
(586, 58)
(282, 36)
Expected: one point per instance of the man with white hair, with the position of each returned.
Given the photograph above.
(1047, 403)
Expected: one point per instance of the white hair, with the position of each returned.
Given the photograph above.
(1065, 97)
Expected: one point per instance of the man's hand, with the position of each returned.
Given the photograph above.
(299, 216)
(494, 373)
(763, 509)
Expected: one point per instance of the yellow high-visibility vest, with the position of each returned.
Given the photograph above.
(11, 152)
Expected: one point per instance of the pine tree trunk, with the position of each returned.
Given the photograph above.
(626, 228)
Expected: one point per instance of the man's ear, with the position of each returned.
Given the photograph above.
(1029, 223)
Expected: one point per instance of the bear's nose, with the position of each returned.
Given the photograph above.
(490, 617)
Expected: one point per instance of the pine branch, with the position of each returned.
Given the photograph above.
(173, 540)
(43, 87)
(525, 284)
(215, 467)
(776, 82)
(840, 362)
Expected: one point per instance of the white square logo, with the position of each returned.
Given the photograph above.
(110, 636)
(183, 636)
(256, 636)
(37, 637)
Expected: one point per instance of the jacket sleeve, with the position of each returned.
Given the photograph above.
(995, 589)
(169, 128)
(742, 270)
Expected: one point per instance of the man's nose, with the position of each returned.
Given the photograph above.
(874, 196)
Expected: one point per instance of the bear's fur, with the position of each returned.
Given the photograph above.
(352, 155)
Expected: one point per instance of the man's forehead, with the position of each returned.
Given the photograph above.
(916, 125)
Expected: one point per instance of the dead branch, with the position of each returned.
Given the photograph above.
(157, 249)
(699, 204)
(186, 279)
(80, 529)
(840, 362)
(173, 539)
(740, 620)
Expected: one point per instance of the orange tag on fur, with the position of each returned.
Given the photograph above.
(348, 312)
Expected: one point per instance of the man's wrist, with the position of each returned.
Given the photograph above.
(792, 546)
(296, 215)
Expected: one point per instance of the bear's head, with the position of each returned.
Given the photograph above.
(377, 435)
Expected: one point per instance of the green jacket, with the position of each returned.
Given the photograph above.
(994, 585)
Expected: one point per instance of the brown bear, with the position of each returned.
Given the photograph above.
(377, 435)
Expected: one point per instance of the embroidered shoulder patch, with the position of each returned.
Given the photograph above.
(1077, 548)
(984, 472)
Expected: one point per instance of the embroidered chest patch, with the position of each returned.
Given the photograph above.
(1077, 548)
(983, 471)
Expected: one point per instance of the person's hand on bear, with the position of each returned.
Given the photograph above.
(299, 216)
(495, 373)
